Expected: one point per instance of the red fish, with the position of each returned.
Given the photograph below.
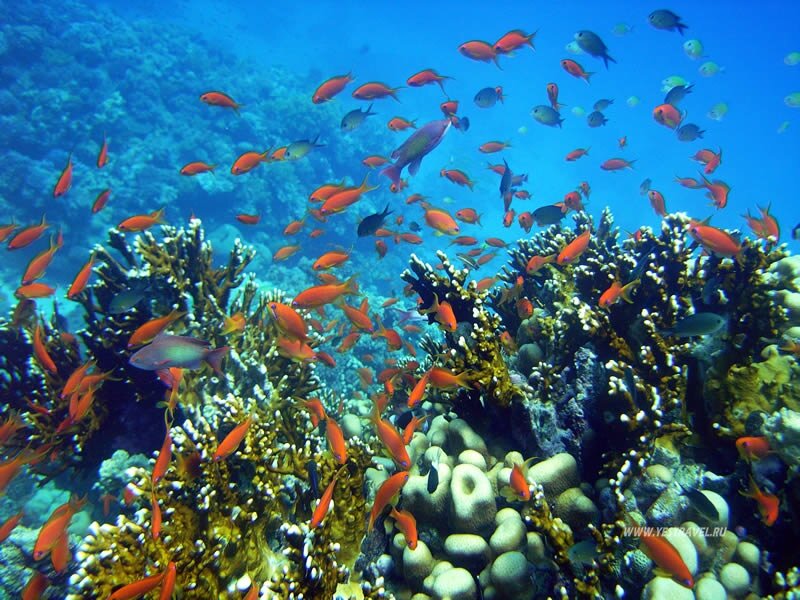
(444, 379)
(516, 38)
(28, 235)
(537, 262)
(657, 202)
(519, 483)
(391, 439)
(196, 168)
(574, 249)
(667, 115)
(714, 240)
(64, 180)
(222, 100)
(468, 215)
(40, 351)
(142, 222)
(768, 504)
(137, 589)
(491, 147)
(324, 504)
(479, 50)
(752, 448)
(148, 331)
(615, 292)
(388, 490)
(102, 156)
(400, 124)
(168, 582)
(664, 554)
(81, 279)
(457, 176)
(56, 527)
(101, 201)
(8, 526)
(381, 248)
(718, 191)
(336, 440)
(285, 252)
(163, 459)
(426, 77)
(329, 88)
(231, 442)
(248, 161)
(576, 154)
(575, 69)
(617, 164)
(374, 161)
(330, 260)
(407, 525)
(375, 90)
(320, 295)
(248, 219)
(38, 264)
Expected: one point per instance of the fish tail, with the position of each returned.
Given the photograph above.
(392, 172)
(628, 289)
(214, 358)
(587, 75)
(351, 286)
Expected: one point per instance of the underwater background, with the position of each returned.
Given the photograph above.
(236, 361)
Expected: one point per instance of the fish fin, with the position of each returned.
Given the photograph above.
(214, 358)
(413, 167)
(392, 172)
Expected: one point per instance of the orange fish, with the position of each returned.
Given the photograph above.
(491, 147)
(657, 202)
(388, 490)
(574, 249)
(196, 168)
(35, 587)
(622, 142)
(411, 238)
(248, 161)
(142, 222)
(28, 235)
(667, 115)
(168, 582)
(468, 215)
(137, 589)
(714, 240)
(64, 180)
(444, 314)
(146, 332)
(358, 317)
(324, 504)
(479, 50)
(40, 351)
(519, 483)
(689, 182)
(288, 320)
(222, 100)
(576, 154)
(336, 440)
(718, 191)
(441, 221)
(8, 526)
(575, 69)
(768, 504)
(316, 409)
(413, 424)
(752, 448)
(330, 260)
(295, 350)
(248, 219)
(101, 201)
(407, 525)
(155, 519)
(34, 290)
(426, 77)
(234, 324)
(285, 252)
(391, 439)
(56, 527)
(279, 153)
(374, 90)
(293, 227)
(231, 442)
(329, 88)
(102, 156)
(516, 38)
(400, 124)
(393, 340)
(6, 230)
(458, 177)
(81, 279)
(664, 554)
(325, 191)
(537, 262)
(444, 379)
(345, 197)
(617, 164)
(348, 342)
(163, 459)
(374, 161)
(320, 295)
(38, 264)
(616, 291)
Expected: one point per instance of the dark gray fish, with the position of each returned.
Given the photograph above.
(313, 477)
(547, 215)
(591, 43)
(546, 115)
(678, 93)
(355, 118)
(505, 180)
(644, 187)
(369, 225)
(178, 351)
(701, 503)
(702, 323)
(689, 132)
(602, 104)
(488, 97)
(127, 299)
(630, 383)
(666, 20)
(583, 553)
(709, 293)
(414, 226)
(596, 119)
(796, 232)
(300, 148)
(461, 124)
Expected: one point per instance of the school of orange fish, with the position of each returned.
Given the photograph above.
(295, 321)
